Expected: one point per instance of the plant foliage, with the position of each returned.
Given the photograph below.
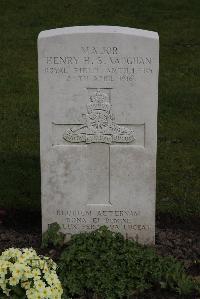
(104, 263)
(53, 236)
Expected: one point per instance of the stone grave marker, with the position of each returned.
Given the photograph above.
(98, 88)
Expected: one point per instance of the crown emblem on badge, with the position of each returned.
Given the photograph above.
(99, 101)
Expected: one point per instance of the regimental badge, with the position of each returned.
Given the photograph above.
(99, 124)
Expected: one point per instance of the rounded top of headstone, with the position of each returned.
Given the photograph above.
(98, 29)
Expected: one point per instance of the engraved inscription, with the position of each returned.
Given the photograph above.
(76, 220)
(99, 124)
(99, 64)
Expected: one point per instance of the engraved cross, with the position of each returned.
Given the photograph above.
(99, 133)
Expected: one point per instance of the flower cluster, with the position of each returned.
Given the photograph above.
(22, 271)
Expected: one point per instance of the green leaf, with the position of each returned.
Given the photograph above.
(53, 236)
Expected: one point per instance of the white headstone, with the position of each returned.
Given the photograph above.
(98, 90)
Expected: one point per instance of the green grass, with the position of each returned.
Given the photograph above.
(178, 24)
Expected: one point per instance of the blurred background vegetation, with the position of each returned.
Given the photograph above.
(178, 25)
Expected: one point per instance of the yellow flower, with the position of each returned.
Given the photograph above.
(6, 291)
(13, 281)
(46, 292)
(39, 285)
(18, 270)
(21, 259)
(38, 296)
(30, 293)
(11, 252)
(28, 254)
(35, 274)
(27, 272)
(3, 284)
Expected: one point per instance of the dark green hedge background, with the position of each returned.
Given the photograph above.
(178, 24)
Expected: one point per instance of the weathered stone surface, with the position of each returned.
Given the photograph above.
(98, 127)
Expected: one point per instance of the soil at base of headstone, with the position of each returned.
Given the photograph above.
(173, 237)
